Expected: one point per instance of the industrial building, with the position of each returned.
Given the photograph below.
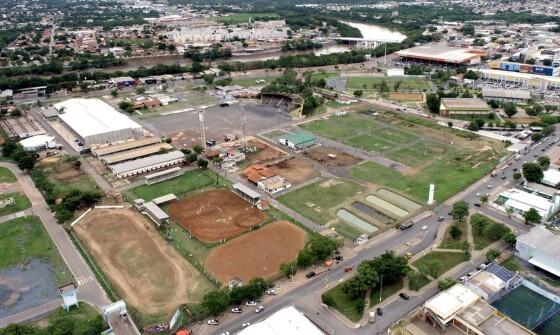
(147, 164)
(520, 201)
(286, 321)
(38, 142)
(525, 68)
(298, 141)
(506, 95)
(463, 106)
(551, 177)
(541, 248)
(121, 82)
(442, 55)
(459, 310)
(524, 80)
(118, 147)
(93, 121)
(22, 127)
(136, 153)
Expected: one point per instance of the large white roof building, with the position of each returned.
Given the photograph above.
(286, 321)
(541, 248)
(96, 122)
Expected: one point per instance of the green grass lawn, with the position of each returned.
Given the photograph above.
(481, 241)
(511, 264)
(386, 292)
(344, 304)
(449, 176)
(417, 280)
(447, 260)
(236, 18)
(371, 83)
(340, 128)
(347, 230)
(187, 182)
(84, 318)
(251, 81)
(317, 201)
(65, 177)
(22, 203)
(6, 176)
(450, 243)
(25, 239)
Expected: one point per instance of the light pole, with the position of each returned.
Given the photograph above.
(381, 288)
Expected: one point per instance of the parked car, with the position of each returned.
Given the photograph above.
(424, 228)
(348, 269)
(251, 303)
(245, 325)
(259, 309)
(272, 291)
(441, 218)
(310, 274)
(477, 205)
(404, 296)
(379, 311)
(236, 310)
(213, 322)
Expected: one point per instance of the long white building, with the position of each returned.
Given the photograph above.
(93, 121)
(541, 248)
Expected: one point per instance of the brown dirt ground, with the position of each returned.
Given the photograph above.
(257, 254)
(406, 96)
(321, 155)
(135, 258)
(265, 153)
(215, 215)
(295, 170)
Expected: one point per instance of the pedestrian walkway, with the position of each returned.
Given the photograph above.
(14, 216)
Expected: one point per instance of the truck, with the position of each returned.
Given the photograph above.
(371, 318)
(517, 157)
(406, 225)
(494, 173)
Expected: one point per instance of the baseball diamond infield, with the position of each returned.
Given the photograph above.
(256, 254)
(215, 215)
(145, 270)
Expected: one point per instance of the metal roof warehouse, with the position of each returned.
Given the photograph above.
(146, 164)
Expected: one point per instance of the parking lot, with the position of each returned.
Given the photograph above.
(219, 121)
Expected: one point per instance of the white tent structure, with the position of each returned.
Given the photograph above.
(38, 142)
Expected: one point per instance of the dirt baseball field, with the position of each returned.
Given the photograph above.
(256, 254)
(144, 269)
(337, 158)
(215, 215)
(295, 170)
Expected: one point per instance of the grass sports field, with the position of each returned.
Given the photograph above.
(318, 201)
(235, 18)
(372, 83)
(187, 182)
(429, 153)
(215, 215)
(133, 255)
(256, 254)
(525, 306)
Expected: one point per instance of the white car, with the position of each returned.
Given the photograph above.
(251, 303)
(225, 333)
(245, 325)
(259, 309)
(236, 310)
(272, 291)
(424, 227)
(213, 322)
(477, 194)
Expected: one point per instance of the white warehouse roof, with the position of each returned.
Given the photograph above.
(286, 321)
(88, 117)
(38, 141)
(551, 177)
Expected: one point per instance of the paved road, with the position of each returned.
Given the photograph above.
(89, 289)
(306, 296)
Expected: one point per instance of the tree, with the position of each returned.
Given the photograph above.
(124, 105)
(535, 137)
(77, 164)
(27, 162)
(114, 93)
(510, 238)
(433, 102)
(202, 163)
(510, 109)
(532, 172)
(532, 216)
(496, 231)
(208, 78)
(140, 90)
(446, 283)
(305, 258)
(198, 148)
(547, 62)
(288, 269)
(492, 254)
(484, 199)
(358, 93)
(460, 210)
(216, 302)
(433, 268)
(544, 162)
(455, 232)
(517, 176)
(397, 85)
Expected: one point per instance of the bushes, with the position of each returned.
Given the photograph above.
(25, 160)
(216, 302)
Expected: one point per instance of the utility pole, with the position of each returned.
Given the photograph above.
(381, 288)
(202, 130)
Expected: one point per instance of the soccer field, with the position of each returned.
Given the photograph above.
(373, 83)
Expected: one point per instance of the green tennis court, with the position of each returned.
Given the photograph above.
(551, 327)
(526, 306)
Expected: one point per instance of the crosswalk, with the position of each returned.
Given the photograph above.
(84, 280)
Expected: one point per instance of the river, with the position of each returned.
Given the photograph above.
(376, 33)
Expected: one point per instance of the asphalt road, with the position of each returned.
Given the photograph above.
(306, 297)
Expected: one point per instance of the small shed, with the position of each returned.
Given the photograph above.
(69, 296)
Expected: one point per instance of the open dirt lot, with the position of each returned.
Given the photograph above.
(215, 215)
(295, 170)
(265, 153)
(135, 258)
(321, 155)
(257, 254)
